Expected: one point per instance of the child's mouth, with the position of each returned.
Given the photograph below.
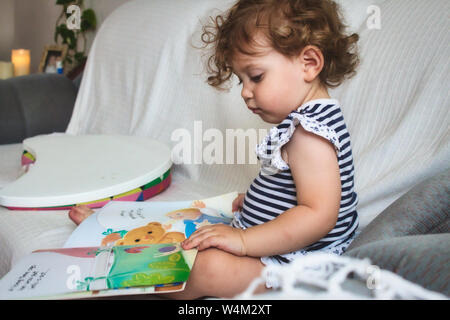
(254, 110)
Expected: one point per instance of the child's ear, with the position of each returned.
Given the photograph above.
(312, 61)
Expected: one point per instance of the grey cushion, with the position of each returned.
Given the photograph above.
(425, 209)
(411, 237)
(422, 259)
(35, 104)
(77, 80)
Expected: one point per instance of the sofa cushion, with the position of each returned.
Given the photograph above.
(12, 121)
(422, 210)
(35, 104)
(411, 236)
(422, 259)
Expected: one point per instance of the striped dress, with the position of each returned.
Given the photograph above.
(273, 190)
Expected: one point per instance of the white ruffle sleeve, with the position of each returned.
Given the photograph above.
(269, 150)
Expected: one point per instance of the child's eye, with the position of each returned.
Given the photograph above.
(256, 78)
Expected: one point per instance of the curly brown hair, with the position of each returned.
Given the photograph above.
(289, 26)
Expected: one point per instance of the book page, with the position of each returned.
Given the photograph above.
(123, 248)
(127, 223)
(74, 271)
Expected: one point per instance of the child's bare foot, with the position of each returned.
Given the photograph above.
(79, 213)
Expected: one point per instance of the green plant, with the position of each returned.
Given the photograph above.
(88, 22)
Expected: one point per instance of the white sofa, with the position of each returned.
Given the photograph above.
(145, 77)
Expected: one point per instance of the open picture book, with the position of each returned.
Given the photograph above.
(123, 248)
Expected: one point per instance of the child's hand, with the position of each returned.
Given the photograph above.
(238, 202)
(198, 204)
(220, 236)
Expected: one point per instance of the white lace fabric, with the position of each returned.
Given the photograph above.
(269, 150)
(321, 276)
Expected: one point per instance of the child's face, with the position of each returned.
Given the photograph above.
(273, 85)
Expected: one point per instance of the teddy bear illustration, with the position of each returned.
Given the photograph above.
(148, 234)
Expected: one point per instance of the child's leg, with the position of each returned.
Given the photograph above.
(217, 273)
(78, 213)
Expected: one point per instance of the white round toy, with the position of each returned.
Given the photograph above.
(66, 170)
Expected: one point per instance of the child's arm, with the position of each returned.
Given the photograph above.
(315, 171)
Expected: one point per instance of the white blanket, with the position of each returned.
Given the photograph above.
(397, 107)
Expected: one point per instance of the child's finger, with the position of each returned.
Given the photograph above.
(234, 205)
(201, 234)
(238, 202)
(200, 230)
(210, 241)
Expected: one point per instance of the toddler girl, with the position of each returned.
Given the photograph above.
(285, 53)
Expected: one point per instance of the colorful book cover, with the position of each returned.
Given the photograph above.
(129, 222)
(49, 273)
(123, 248)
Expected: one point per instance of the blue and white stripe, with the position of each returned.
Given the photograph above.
(273, 190)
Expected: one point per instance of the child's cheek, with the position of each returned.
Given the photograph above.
(264, 97)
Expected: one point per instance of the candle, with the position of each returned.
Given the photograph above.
(6, 70)
(21, 61)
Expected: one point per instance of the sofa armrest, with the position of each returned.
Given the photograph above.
(35, 104)
(422, 210)
(411, 236)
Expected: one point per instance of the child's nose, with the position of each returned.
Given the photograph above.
(246, 93)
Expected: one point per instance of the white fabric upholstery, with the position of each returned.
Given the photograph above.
(144, 77)
(396, 107)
